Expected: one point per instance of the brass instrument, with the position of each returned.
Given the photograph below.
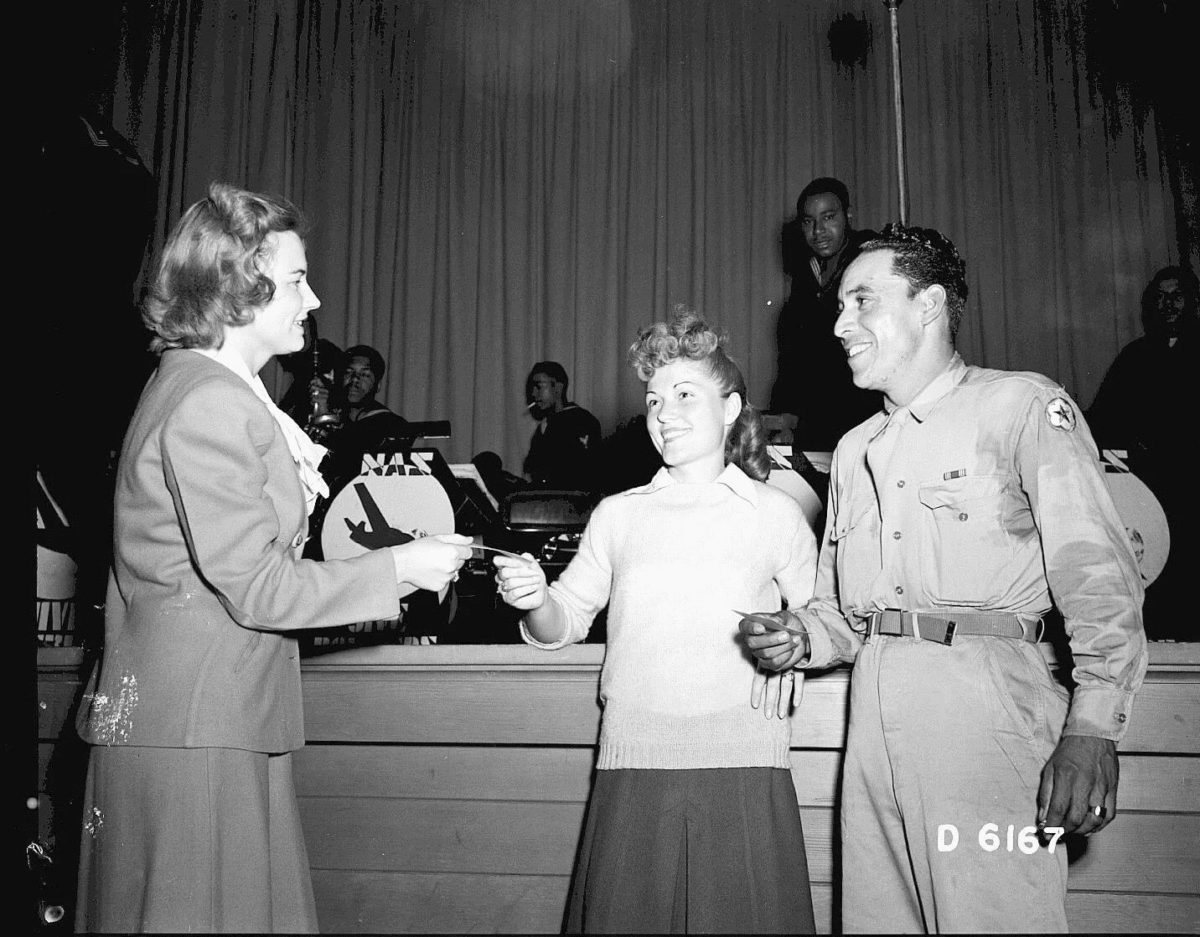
(322, 422)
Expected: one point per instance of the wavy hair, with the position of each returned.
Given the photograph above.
(925, 256)
(689, 338)
(209, 274)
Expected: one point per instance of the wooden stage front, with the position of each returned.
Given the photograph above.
(443, 789)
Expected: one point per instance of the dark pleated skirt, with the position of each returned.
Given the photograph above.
(713, 850)
(191, 840)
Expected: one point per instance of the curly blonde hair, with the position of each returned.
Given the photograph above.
(687, 337)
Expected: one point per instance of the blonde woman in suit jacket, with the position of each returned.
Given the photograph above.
(190, 816)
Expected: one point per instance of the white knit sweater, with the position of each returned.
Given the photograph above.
(673, 560)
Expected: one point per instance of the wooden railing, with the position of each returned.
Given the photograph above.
(442, 788)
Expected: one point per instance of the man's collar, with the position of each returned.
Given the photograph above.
(933, 392)
(731, 477)
(820, 266)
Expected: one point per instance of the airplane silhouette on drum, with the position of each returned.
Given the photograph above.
(381, 534)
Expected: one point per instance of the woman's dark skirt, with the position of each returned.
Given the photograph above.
(712, 850)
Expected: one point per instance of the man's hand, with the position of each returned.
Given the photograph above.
(1080, 776)
(318, 390)
(776, 693)
(775, 649)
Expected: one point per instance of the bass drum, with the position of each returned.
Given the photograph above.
(374, 511)
(1144, 519)
(786, 478)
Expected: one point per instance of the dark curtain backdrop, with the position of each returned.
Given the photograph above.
(494, 183)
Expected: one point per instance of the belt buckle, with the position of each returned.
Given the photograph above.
(947, 638)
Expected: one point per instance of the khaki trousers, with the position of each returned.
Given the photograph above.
(944, 757)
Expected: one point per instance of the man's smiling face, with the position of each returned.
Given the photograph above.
(879, 324)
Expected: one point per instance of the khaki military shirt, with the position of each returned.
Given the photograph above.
(984, 493)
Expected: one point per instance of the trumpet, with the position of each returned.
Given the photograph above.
(322, 422)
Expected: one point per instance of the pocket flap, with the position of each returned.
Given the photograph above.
(959, 491)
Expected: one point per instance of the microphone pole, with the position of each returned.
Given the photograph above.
(898, 104)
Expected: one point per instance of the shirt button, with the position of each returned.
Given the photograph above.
(896, 535)
(899, 590)
(962, 516)
(298, 541)
(900, 484)
(1120, 717)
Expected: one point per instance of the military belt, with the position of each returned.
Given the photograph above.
(942, 626)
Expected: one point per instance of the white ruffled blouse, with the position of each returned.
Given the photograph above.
(306, 453)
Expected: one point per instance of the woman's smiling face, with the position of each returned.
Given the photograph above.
(688, 419)
(278, 326)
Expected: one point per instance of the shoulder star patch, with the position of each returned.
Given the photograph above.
(1061, 415)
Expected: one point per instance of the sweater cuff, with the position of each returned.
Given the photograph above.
(552, 646)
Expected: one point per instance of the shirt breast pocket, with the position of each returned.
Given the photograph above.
(965, 543)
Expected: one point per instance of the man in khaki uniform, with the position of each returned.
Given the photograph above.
(957, 517)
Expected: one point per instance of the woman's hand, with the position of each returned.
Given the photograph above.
(776, 693)
(431, 562)
(522, 584)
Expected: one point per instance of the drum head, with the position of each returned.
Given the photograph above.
(55, 575)
(784, 477)
(801, 491)
(1144, 520)
(374, 511)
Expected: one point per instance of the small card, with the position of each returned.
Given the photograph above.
(767, 622)
(515, 556)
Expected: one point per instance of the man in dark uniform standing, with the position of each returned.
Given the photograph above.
(814, 397)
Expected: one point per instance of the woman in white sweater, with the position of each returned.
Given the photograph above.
(693, 823)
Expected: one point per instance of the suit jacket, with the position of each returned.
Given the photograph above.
(207, 582)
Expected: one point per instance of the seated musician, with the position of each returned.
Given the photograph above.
(563, 449)
(367, 425)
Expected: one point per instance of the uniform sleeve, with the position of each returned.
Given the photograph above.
(832, 640)
(585, 585)
(1090, 565)
(213, 445)
(593, 433)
